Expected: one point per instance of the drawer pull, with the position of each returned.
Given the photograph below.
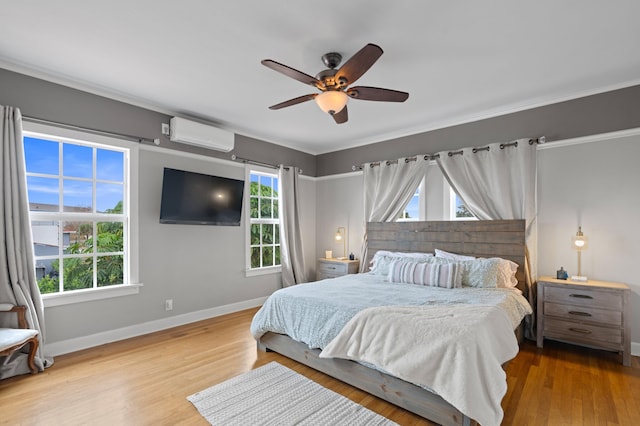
(580, 330)
(581, 296)
(331, 267)
(580, 314)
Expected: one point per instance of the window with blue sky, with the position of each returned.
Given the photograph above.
(79, 213)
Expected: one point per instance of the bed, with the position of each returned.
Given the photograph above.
(361, 305)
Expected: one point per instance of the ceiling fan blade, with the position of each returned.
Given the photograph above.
(358, 64)
(377, 94)
(290, 72)
(342, 116)
(294, 101)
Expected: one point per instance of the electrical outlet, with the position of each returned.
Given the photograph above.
(168, 305)
(165, 129)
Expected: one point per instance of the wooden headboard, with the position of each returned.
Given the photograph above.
(479, 238)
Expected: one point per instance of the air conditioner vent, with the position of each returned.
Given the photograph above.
(198, 134)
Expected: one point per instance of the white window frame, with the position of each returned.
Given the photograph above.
(131, 253)
(260, 171)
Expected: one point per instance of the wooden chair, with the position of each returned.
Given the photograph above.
(12, 339)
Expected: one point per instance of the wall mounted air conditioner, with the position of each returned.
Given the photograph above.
(198, 134)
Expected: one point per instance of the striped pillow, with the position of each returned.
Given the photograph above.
(448, 275)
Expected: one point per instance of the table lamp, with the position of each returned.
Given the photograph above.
(342, 236)
(579, 244)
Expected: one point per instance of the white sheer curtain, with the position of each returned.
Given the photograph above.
(498, 181)
(18, 283)
(291, 253)
(388, 188)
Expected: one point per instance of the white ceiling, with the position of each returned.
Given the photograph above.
(459, 60)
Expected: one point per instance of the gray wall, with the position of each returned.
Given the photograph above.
(41, 99)
(602, 113)
(341, 205)
(593, 185)
(199, 267)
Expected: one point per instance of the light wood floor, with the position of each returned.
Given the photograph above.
(145, 380)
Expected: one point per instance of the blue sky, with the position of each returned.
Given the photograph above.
(413, 208)
(43, 158)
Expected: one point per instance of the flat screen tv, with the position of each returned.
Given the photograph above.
(199, 199)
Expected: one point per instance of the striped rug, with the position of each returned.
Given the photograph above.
(275, 395)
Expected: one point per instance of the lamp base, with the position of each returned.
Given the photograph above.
(578, 278)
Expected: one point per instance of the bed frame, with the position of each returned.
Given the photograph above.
(499, 238)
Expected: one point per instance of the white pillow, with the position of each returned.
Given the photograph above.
(447, 275)
(489, 273)
(452, 256)
(382, 260)
(508, 272)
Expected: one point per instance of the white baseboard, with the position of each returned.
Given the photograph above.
(635, 348)
(92, 340)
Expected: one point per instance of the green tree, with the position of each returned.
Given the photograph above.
(462, 211)
(264, 204)
(78, 271)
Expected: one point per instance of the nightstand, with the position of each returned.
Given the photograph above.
(592, 313)
(331, 268)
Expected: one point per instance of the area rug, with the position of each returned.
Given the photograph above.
(276, 395)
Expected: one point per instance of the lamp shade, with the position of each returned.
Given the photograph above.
(341, 236)
(332, 101)
(580, 240)
(579, 243)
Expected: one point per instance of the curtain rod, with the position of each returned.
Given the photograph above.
(259, 163)
(138, 139)
(539, 140)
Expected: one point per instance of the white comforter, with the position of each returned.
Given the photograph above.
(456, 351)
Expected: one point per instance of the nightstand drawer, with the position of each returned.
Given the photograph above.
(332, 268)
(583, 313)
(587, 297)
(583, 333)
(325, 275)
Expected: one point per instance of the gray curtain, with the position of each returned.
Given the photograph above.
(18, 283)
(499, 182)
(388, 188)
(291, 248)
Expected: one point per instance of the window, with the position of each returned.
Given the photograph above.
(263, 228)
(78, 193)
(458, 211)
(415, 209)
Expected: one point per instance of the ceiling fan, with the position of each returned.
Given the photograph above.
(333, 83)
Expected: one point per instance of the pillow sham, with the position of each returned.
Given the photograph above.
(452, 256)
(508, 271)
(489, 273)
(382, 260)
(447, 275)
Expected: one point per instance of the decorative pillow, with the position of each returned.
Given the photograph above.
(382, 259)
(448, 275)
(508, 274)
(489, 273)
(452, 256)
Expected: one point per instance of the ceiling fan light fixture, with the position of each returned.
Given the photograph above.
(334, 83)
(332, 101)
